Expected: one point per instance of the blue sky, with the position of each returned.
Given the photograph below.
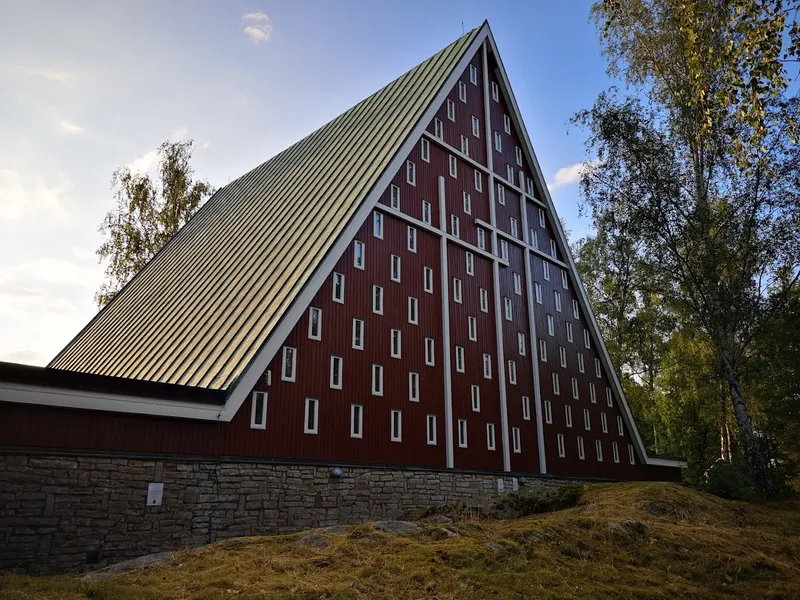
(86, 87)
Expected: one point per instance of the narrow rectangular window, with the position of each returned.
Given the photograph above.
(394, 197)
(508, 309)
(516, 440)
(580, 362)
(451, 110)
(604, 422)
(377, 225)
(620, 429)
(609, 397)
(455, 228)
(338, 288)
(562, 356)
(615, 451)
(501, 195)
(541, 218)
(587, 420)
(521, 343)
(478, 181)
(550, 325)
(431, 430)
(507, 123)
(597, 370)
(495, 92)
(561, 450)
(470, 263)
(472, 329)
(464, 145)
(428, 279)
(533, 238)
(553, 251)
(569, 331)
(575, 391)
(453, 166)
(462, 91)
(514, 229)
(413, 387)
(537, 287)
(462, 433)
(487, 366)
(411, 173)
(512, 372)
(356, 421)
(336, 372)
(425, 150)
(429, 358)
(504, 249)
(586, 340)
(438, 128)
(556, 385)
(377, 299)
(490, 441)
(412, 239)
(456, 290)
(557, 296)
(484, 300)
(498, 142)
(289, 368)
(548, 412)
(529, 186)
(510, 174)
(377, 380)
(395, 268)
(397, 426)
(314, 324)
(476, 127)
(475, 397)
(413, 310)
(631, 456)
(358, 255)
(268, 377)
(542, 350)
(481, 239)
(575, 312)
(311, 417)
(546, 270)
(564, 279)
(467, 203)
(526, 408)
(568, 415)
(396, 344)
(598, 445)
(258, 412)
(426, 212)
(518, 152)
(581, 451)
(592, 393)
(473, 74)
(358, 334)
(460, 359)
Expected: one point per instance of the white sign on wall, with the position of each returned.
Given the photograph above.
(155, 493)
(500, 485)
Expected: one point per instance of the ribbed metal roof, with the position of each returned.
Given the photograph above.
(203, 306)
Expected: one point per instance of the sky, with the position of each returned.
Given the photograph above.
(89, 86)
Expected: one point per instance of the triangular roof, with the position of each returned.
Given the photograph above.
(200, 311)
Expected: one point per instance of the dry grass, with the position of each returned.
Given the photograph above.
(642, 540)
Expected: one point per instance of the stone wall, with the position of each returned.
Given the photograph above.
(62, 513)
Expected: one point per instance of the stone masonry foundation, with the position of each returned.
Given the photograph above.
(67, 513)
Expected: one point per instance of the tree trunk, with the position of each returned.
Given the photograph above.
(724, 432)
(755, 459)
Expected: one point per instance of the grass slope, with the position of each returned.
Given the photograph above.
(639, 540)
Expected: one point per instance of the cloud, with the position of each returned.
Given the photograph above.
(572, 174)
(68, 127)
(260, 27)
(147, 161)
(20, 198)
(22, 356)
(53, 75)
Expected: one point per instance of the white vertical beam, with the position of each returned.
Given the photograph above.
(448, 384)
(534, 342)
(498, 319)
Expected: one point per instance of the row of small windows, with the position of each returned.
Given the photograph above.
(576, 390)
(598, 445)
(587, 419)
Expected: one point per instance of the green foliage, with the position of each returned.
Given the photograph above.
(148, 214)
(729, 481)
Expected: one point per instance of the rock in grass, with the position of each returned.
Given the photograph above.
(396, 527)
(337, 529)
(443, 533)
(315, 541)
(128, 565)
(496, 548)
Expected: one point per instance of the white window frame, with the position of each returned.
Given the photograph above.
(451, 110)
(542, 218)
(598, 370)
(598, 447)
(481, 238)
(521, 344)
(455, 226)
(313, 310)
(491, 442)
(453, 163)
(470, 260)
(631, 454)
(534, 237)
(498, 142)
(576, 314)
(526, 408)
(548, 412)
(472, 329)
(508, 309)
(581, 365)
(514, 228)
(312, 404)
(413, 386)
(575, 391)
(293, 376)
(359, 264)
(358, 326)
(568, 326)
(562, 356)
(542, 350)
(557, 298)
(551, 331)
(336, 360)
(568, 415)
(587, 419)
(460, 359)
(592, 393)
(484, 294)
(512, 372)
(430, 350)
(462, 433)
(396, 343)
(487, 366)
(377, 379)
(529, 186)
(411, 236)
(438, 128)
(517, 283)
(615, 451)
(413, 310)
(609, 396)
(495, 92)
(478, 181)
(425, 150)
(377, 225)
(581, 448)
(546, 270)
(394, 197)
(473, 74)
(411, 173)
(396, 434)
(476, 126)
(430, 423)
(537, 287)
(604, 422)
(562, 453)
(518, 153)
(620, 426)
(564, 279)
(426, 212)
(337, 277)
(464, 145)
(504, 249)
(357, 408)
(258, 415)
(553, 249)
(506, 123)
(395, 273)
(427, 279)
(510, 174)
(462, 91)
(556, 385)
(475, 398)
(516, 439)
(377, 299)
(501, 194)
(457, 291)
(467, 203)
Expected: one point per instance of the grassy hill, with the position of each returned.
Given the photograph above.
(639, 540)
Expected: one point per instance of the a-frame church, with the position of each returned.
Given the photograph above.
(393, 290)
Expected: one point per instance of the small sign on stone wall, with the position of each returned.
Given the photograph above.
(515, 484)
(155, 492)
(500, 485)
